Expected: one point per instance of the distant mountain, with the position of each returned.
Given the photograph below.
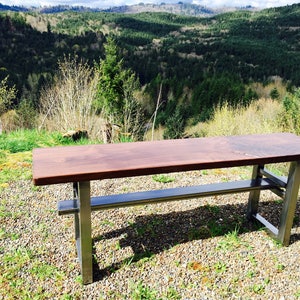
(13, 8)
(48, 9)
(63, 8)
(179, 8)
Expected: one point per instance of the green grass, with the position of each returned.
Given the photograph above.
(212, 208)
(258, 289)
(140, 291)
(16, 152)
(42, 271)
(220, 267)
(23, 261)
(231, 241)
(147, 228)
(163, 178)
(26, 140)
(14, 166)
(297, 294)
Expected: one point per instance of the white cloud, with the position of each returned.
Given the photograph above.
(111, 3)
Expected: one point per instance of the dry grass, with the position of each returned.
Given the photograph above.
(261, 116)
(264, 91)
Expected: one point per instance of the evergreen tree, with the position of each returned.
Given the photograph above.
(175, 125)
(112, 75)
(116, 92)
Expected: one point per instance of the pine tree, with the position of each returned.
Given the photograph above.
(116, 92)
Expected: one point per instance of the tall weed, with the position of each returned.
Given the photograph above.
(261, 116)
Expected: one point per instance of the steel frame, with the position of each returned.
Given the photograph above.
(285, 188)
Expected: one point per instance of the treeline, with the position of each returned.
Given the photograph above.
(29, 57)
(193, 64)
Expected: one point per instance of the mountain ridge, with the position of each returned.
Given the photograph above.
(175, 8)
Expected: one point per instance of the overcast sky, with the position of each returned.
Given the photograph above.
(110, 3)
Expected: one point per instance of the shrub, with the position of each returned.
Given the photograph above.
(68, 103)
(290, 117)
(262, 116)
(9, 121)
(26, 115)
(7, 94)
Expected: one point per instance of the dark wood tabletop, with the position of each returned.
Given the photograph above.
(91, 162)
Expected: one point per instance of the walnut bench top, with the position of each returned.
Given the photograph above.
(92, 162)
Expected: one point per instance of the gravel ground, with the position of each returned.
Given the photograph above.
(175, 250)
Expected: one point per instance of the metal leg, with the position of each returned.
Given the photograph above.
(254, 195)
(289, 204)
(83, 232)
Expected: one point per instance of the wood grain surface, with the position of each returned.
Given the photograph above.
(92, 162)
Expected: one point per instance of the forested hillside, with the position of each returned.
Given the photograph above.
(198, 62)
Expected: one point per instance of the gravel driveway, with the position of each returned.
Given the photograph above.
(195, 249)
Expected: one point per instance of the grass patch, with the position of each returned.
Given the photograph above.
(141, 291)
(212, 208)
(258, 289)
(216, 229)
(15, 166)
(220, 267)
(4, 234)
(16, 152)
(148, 228)
(10, 282)
(231, 241)
(163, 178)
(297, 295)
(26, 140)
(43, 271)
(19, 268)
(201, 232)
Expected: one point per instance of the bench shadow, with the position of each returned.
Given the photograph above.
(154, 233)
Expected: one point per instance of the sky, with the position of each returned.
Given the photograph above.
(111, 3)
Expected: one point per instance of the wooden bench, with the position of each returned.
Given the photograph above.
(81, 164)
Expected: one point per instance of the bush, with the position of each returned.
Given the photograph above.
(290, 118)
(7, 94)
(9, 121)
(262, 116)
(26, 115)
(68, 103)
